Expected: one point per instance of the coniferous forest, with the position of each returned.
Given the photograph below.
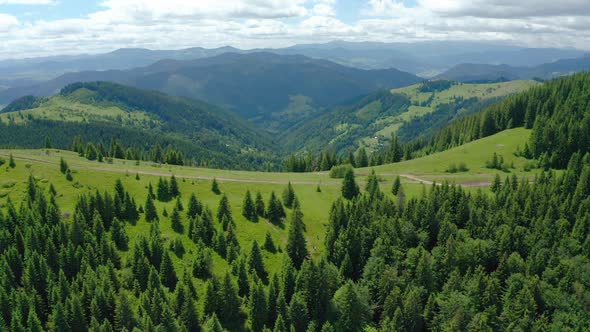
(262, 190)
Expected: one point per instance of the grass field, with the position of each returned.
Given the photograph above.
(424, 103)
(90, 176)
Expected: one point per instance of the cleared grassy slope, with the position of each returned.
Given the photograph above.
(90, 176)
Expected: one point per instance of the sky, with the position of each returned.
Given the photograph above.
(31, 28)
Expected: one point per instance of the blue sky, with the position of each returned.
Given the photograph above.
(45, 27)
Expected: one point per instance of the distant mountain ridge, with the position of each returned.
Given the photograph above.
(470, 72)
(254, 85)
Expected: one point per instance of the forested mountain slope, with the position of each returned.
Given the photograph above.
(419, 110)
(140, 120)
(264, 87)
(558, 111)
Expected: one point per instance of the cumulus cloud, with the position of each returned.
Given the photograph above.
(169, 24)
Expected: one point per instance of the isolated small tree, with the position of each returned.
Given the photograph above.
(69, 176)
(63, 166)
(11, 162)
(260, 208)
(174, 189)
(349, 187)
(396, 185)
(151, 214)
(289, 195)
(269, 245)
(248, 207)
(215, 187)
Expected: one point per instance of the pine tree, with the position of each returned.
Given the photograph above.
(280, 325)
(248, 207)
(258, 312)
(174, 189)
(163, 190)
(69, 176)
(296, 243)
(167, 272)
(215, 187)
(176, 222)
(124, 316)
(396, 185)
(63, 166)
(255, 262)
(11, 162)
(289, 195)
(349, 187)
(213, 325)
(362, 160)
(275, 212)
(497, 184)
(76, 318)
(353, 307)
(260, 209)
(269, 244)
(224, 210)
(119, 235)
(298, 313)
(151, 214)
(194, 207)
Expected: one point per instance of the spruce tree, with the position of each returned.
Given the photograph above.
(119, 235)
(258, 314)
(296, 243)
(255, 262)
(176, 222)
(174, 189)
(215, 187)
(248, 207)
(396, 185)
(151, 214)
(124, 316)
(167, 272)
(260, 209)
(298, 313)
(362, 160)
(497, 184)
(63, 166)
(269, 244)
(194, 207)
(289, 195)
(213, 325)
(163, 190)
(224, 209)
(349, 187)
(230, 309)
(280, 325)
(11, 162)
(275, 212)
(69, 176)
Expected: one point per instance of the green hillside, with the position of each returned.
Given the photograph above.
(411, 112)
(100, 112)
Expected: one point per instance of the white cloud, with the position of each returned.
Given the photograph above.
(165, 24)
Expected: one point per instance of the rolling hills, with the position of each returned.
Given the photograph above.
(101, 111)
(469, 72)
(257, 86)
(415, 111)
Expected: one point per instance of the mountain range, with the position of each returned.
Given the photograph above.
(254, 85)
(470, 72)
